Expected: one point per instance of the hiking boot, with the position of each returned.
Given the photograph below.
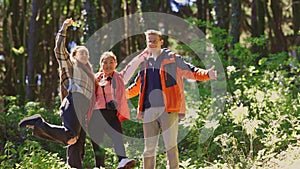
(126, 163)
(30, 121)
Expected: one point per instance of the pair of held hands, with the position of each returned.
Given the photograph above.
(145, 54)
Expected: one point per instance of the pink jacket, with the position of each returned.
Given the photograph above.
(123, 111)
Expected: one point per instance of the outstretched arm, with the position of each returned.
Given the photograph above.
(189, 71)
(131, 67)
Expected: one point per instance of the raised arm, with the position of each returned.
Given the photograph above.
(131, 67)
(61, 53)
(63, 59)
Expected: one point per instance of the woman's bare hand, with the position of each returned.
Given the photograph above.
(68, 22)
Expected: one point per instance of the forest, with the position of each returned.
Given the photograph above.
(248, 118)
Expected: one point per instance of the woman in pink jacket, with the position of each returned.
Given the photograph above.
(111, 107)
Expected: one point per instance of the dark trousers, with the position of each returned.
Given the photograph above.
(106, 121)
(75, 152)
(99, 155)
(73, 110)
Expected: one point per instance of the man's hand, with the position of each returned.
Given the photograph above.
(212, 73)
(68, 22)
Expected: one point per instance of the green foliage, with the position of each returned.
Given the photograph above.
(14, 144)
(260, 124)
(19, 51)
(9, 118)
(111, 160)
(29, 155)
(36, 157)
(258, 128)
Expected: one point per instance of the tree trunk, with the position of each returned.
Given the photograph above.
(107, 5)
(116, 13)
(125, 42)
(146, 6)
(150, 6)
(91, 18)
(9, 60)
(296, 26)
(32, 48)
(202, 8)
(221, 8)
(258, 26)
(235, 21)
(257, 18)
(4, 45)
(296, 17)
(22, 64)
(48, 70)
(279, 41)
(132, 40)
(99, 15)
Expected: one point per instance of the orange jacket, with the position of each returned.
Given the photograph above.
(172, 71)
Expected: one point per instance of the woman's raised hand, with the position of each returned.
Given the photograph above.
(68, 22)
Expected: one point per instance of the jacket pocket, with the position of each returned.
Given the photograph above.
(170, 74)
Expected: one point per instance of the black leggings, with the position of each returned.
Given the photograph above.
(106, 121)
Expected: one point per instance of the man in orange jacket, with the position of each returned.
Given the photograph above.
(159, 85)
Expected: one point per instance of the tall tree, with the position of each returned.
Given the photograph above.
(235, 21)
(32, 48)
(222, 13)
(126, 42)
(278, 40)
(47, 69)
(202, 10)
(9, 79)
(296, 16)
(257, 18)
(21, 58)
(91, 17)
(222, 21)
(116, 13)
(150, 6)
(258, 26)
(296, 25)
(2, 48)
(137, 42)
